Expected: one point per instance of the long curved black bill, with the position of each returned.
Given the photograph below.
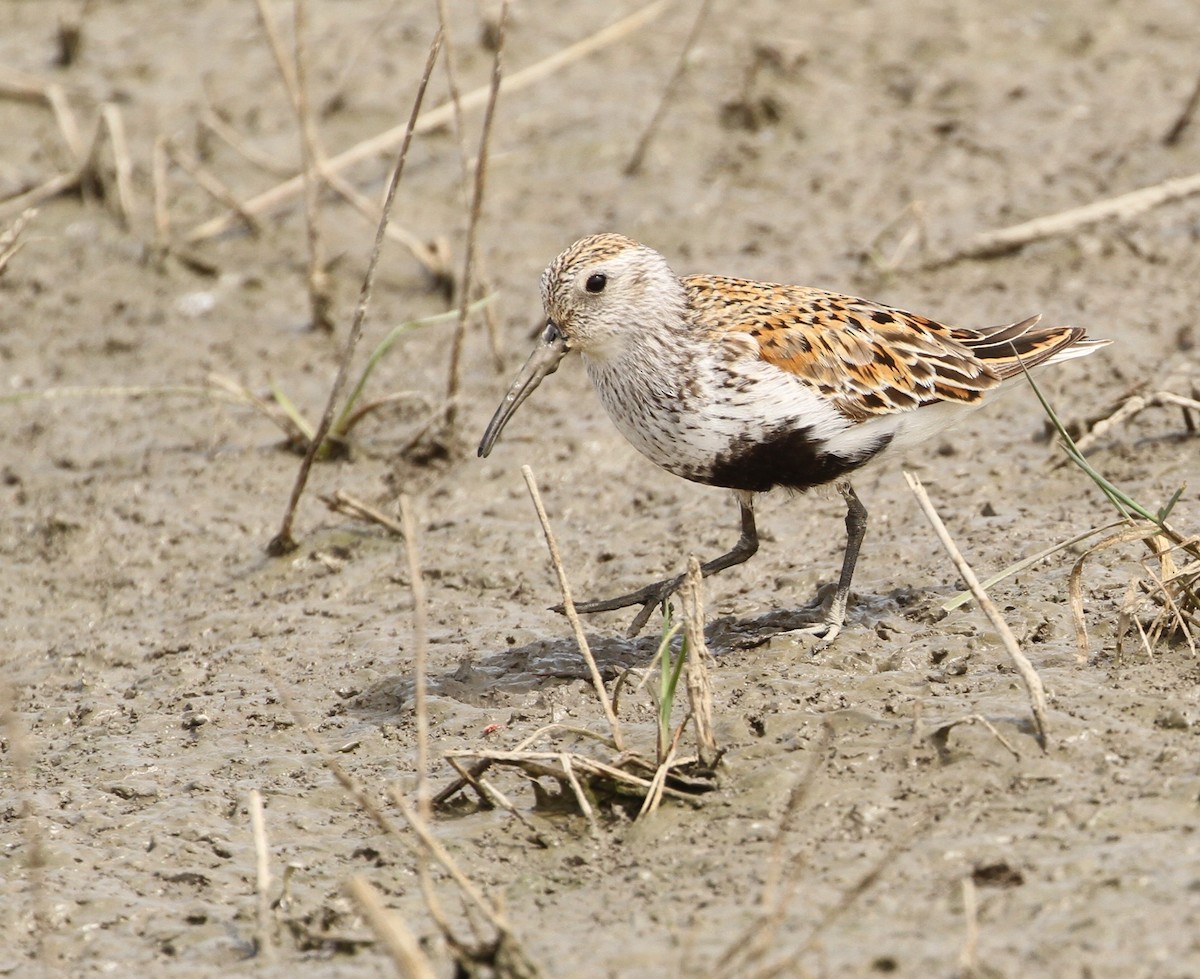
(541, 364)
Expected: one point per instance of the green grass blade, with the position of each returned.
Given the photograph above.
(291, 410)
(1121, 500)
(381, 351)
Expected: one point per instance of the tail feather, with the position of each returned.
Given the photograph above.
(1009, 350)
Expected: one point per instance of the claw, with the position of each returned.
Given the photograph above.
(824, 632)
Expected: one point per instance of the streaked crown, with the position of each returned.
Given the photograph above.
(605, 286)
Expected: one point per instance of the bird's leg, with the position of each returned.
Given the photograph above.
(856, 529)
(658, 592)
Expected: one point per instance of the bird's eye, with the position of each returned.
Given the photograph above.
(596, 282)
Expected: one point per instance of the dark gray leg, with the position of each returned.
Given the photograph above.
(658, 592)
(856, 529)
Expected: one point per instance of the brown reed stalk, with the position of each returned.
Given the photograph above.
(614, 724)
(480, 183)
(1029, 676)
(283, 542)
(402, 945)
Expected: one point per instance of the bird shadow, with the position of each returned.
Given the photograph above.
(545, 662)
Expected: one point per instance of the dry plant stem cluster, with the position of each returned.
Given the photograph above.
(283, 542)
(279, 195)
(1029, 676)
(629, 775)
(87, 175)
(699, 681)
(1173, 588)
(503, 953)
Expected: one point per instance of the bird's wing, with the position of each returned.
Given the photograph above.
(867, 358)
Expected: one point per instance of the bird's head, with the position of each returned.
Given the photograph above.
(599, 296)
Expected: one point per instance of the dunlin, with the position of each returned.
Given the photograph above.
(752, 385)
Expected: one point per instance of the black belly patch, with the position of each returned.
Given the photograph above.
(790, 458)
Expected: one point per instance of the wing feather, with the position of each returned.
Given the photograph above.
(867, 358)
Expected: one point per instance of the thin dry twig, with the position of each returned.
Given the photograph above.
(991, 244)
(1030, 677)
(420, 630)
(787, 963)
(968, 958)
(68, 125)
(283, 542)
(320, 298)
(262, 876)
(1127, 409)
(429, 257)
(1184, 119)
(492, 797)
(944, 728)
(352, 788)
(614, 725)
(210, 183)
(70, 35)
(10, 239)
(21, 86)
(122, 161)
(643, 144)
(409, 958)
(581, 798)
(479, 185)
(506, 944)
(352, 506)
(281, 193)
(658, 784)
(159, 160)
(294, 73)
(1027, 562)
(212, 121)
(360, 796)
(450, 63)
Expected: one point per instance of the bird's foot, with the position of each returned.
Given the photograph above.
(824, 632)
(650, 597)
